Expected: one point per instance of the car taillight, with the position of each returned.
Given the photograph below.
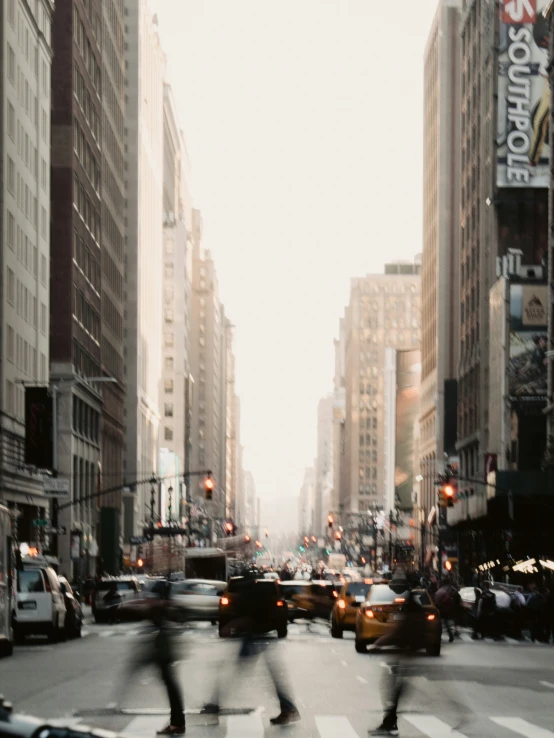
(430, 617)
(369, 613)
(341, 604)
(335, 594)
(224, 601)
(280, 603)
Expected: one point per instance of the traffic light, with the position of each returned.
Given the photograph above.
(208, 487)
(448, 490)
(247, 539)
(140, 563)
(338, 535)
(229, 529)
(450, 493)
(330, 521)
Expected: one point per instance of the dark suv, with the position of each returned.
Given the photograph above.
(254, 605)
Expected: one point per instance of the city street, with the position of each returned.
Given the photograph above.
(478, 689)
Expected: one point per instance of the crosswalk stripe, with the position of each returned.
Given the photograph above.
(518, 725)
(245, 726)
(432, 727)
(145, 725)
(331, 726)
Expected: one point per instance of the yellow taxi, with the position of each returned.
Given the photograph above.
(384, 609)
(349, 599)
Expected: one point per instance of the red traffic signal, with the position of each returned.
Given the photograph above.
(330, 521)
(208, 487)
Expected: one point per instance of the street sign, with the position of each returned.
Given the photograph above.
(61, 531)
(137, 540)
(40, 522)
(55, 487)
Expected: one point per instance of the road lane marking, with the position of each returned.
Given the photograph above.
(547, 684)
(432, 727)
(361, 679)
(331, 726)
(333, 651)
(344, 663)
(523, 727)
(245, 726)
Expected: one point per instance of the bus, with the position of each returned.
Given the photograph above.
(6, 634)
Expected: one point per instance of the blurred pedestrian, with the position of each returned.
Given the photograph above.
(158, 651)
(536, 607)
(517, 606)
(487, 613)
(252, 614)
(447, 599)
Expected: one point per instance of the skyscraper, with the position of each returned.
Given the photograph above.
(76, 262)
(207, 364)
(112, 443)
(25, 31)
(324, 463)
(384, 311)
(441, 233)
(145, 63)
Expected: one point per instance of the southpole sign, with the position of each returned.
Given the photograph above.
(523, 150)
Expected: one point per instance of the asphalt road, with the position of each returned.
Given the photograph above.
(485, 690)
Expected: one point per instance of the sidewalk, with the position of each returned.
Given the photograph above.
(87, 614)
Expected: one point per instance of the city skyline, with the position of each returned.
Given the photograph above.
(301, 238)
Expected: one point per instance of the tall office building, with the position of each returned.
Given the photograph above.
(145, 63)
(207, 364)
(503, 199)
(25, 33)
(324, 464)
(76, 264)
(440, 302)
(232, 432)
(339, 419)
(177, 280)
(112, 440)
(306, 503)
(384, 311)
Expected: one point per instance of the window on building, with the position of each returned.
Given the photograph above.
(169, 339)
(168, 315)
(11, 175)
(10, 230)
(168, 434)
(10, 343)
(11, 286)
(168, 409)
(168, 386)
(168, 363)
(11, 64)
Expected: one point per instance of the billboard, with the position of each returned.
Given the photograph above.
(38, 427)
(408, 371)
(527, 368)
(523, 150)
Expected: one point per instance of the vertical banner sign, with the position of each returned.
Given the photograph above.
(38, 427)
(523, 150)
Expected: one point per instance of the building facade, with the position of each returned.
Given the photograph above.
(143, 346)
(384, 311)
(25, 34)
(440, 303)
(207, 365)
(112, 441)
(177, 281)
(306, 503)
(76, 269)
(324, 478)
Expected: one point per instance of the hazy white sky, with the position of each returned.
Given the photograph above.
(303, 121)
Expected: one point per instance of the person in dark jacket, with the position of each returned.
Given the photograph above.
(447, 599)
(487, 613)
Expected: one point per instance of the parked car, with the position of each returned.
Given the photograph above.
(289, 591)
(110, 593)
(504, 614)
(198, 599)
(269, 611)
(74, 611)
(382, 611)
(345, 609)
(39, 607)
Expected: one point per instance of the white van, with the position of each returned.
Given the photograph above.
(39, 604)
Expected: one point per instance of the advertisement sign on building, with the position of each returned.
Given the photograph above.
(408, 371)
(523, 150)
(527, 368)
